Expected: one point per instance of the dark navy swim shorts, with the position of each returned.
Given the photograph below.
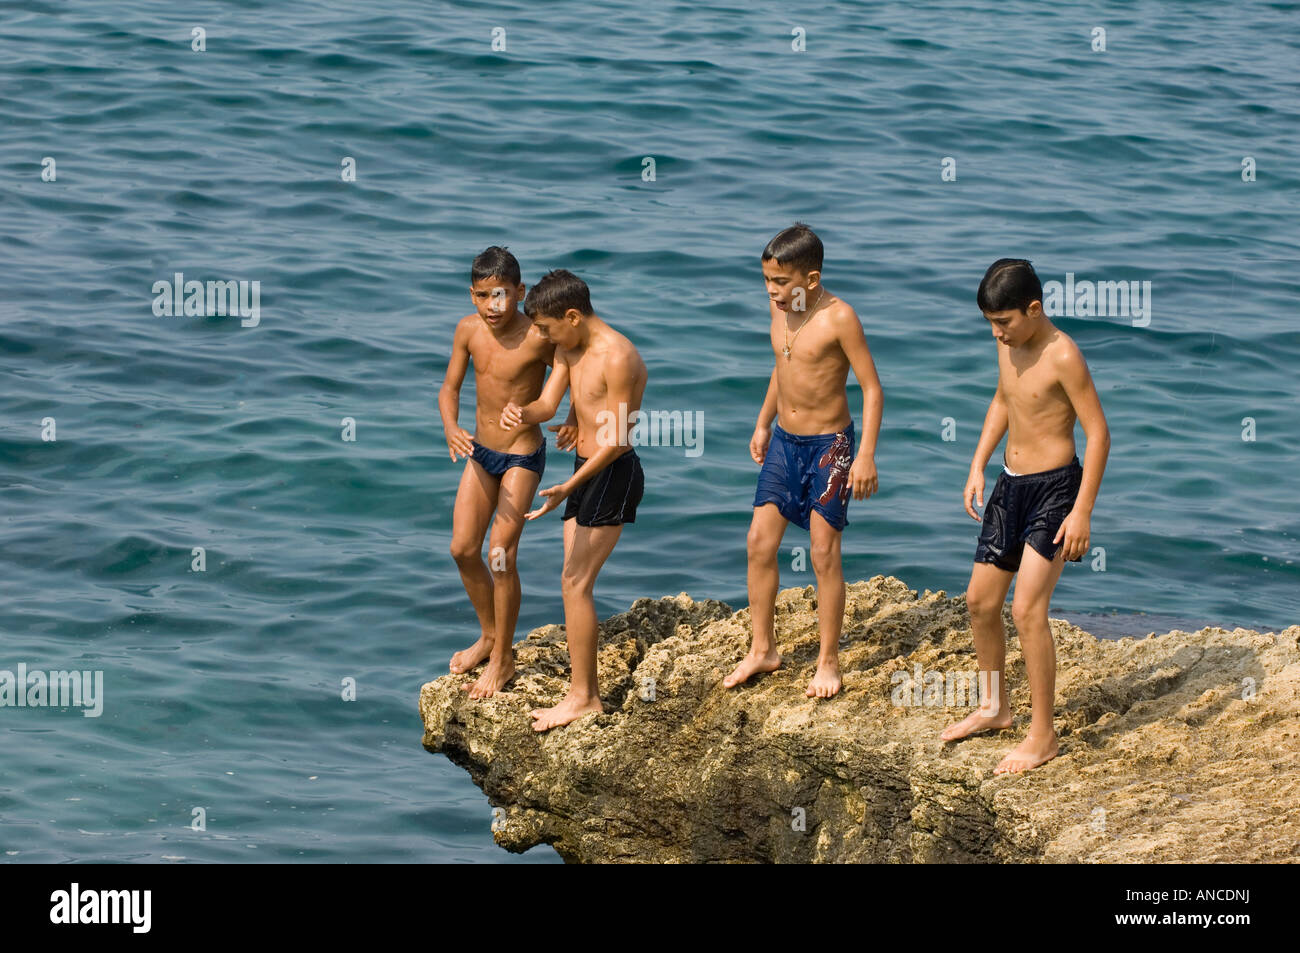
(806, 472)
(1027, 508)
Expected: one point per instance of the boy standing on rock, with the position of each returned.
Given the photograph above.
(503, 467)
(606, 379)
(808, 463)
(1042, 498)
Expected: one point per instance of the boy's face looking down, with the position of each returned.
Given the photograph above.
(564, 331)
(1014, 327)
(496, 301)
(782, 280)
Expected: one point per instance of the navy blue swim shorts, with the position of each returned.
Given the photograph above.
(806, 472)
(1027, 508)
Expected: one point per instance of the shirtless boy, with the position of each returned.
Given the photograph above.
(1042, 498)
(503, 466)
(606, 378)
(808, 463)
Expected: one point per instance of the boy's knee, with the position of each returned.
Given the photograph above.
(825, 557)
(501, 559)
(465, 552)
(762, 546)
(1028, 613)
(982, 606)
(574, 584)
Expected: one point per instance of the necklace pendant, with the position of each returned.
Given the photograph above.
(786, 352)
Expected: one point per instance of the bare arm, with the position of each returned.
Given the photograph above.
(1081, 390)
(758, 443)
(995, 428)
(767, 413)
(566, 434)
(458, 440)
(545, 406)
(862, 475)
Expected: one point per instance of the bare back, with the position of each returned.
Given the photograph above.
(508, 367)
(595, 390)
(1040, 415)
(811, 395)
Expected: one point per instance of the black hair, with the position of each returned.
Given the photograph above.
(495, 262)
(797, 246)
(555, 293)
(1010, 284)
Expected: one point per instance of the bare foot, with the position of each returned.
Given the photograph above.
(826, 681)
(977, 720)
(466, 659)
(570, 709)
(1030, 753)
(752, 664)
(492, 679)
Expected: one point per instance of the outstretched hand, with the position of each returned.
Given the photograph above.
(555, 495)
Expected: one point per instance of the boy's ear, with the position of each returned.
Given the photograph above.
(573, 316)
(814, 279)
(1035, 309)
(520, 291)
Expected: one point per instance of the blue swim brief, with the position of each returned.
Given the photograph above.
(806, 472)
(496, 463)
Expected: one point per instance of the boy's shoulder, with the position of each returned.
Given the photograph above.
(618, 346)
(1062, 352)
(466, 327)
(840, 314)
(535, 337)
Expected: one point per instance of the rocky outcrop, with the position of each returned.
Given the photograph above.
(1177, 747)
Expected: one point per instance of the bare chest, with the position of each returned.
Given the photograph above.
(811, 344)
(588, 384)
(1031, 388)
(493, 359)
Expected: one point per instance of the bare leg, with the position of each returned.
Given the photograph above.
(1029, 607)
(829, 569)
(585, 550)
(984, 597)
(475, 499)
(764, 542)
(517, 488)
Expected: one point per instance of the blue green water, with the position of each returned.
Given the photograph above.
(328, 559)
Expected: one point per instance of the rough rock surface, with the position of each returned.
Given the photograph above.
(1178, 747)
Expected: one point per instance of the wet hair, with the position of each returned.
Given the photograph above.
(797, 246)
(555, 293)
(1010, 284)
(495, 262)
